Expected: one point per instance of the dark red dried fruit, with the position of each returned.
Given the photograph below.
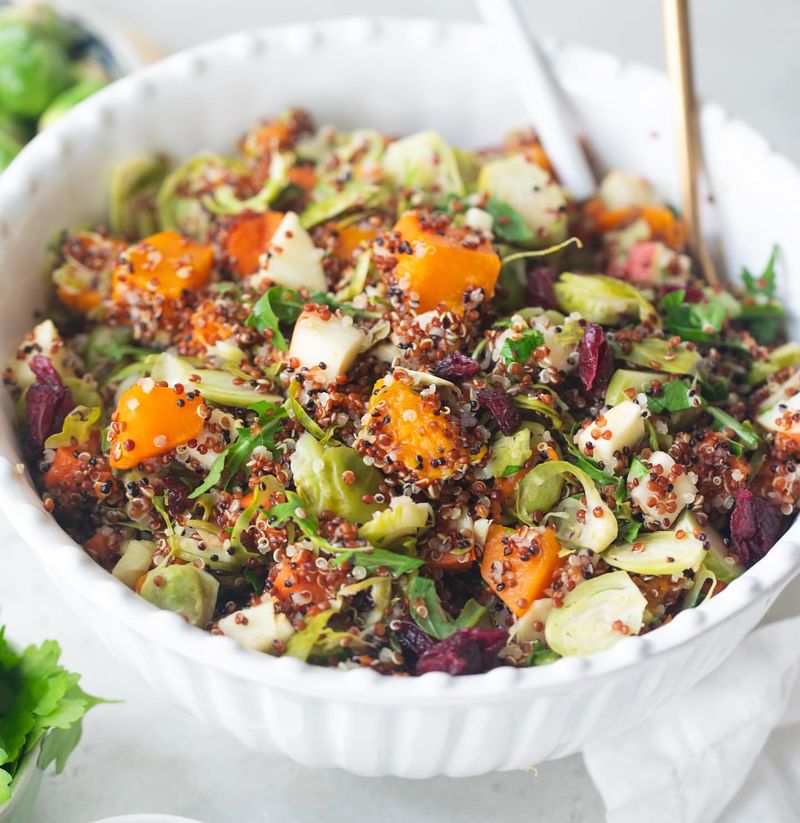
(502, 408)
(456, 368)
(47, 402)
(691, 294)
(176, 496)
(466, 651)
(539, 288)
(596, 363)
(413, 641)
(755, 526)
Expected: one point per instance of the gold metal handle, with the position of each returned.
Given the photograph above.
(678, 45)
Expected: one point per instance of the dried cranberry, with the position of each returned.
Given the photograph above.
(502, 408)
(596, 363)
(457, 367)
(47, 402)
(176, 496)
(691, 294)
(755, 526)
(413, 641)
(466, 651)
(539, 288)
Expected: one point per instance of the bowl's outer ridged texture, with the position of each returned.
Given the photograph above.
(399, 76)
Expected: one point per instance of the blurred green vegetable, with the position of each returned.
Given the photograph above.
(78, 425)
(10, 147)
(68, 99)
(180, 197)
(34, 68)
(601, 299)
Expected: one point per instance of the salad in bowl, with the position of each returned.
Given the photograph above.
(378, 402)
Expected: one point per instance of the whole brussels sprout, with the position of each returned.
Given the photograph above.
(34, 68)
(184, 589)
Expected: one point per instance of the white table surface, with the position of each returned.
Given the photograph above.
(144, 755)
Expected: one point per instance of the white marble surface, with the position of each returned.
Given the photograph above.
(143, 755)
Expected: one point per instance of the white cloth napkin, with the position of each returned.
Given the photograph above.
(728, 751)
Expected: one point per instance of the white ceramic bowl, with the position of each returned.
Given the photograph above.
(398, 76)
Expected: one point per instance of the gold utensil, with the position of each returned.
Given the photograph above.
(678, 45)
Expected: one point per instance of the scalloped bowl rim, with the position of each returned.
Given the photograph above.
(359, 685)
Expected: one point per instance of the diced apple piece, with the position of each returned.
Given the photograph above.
(530, 190)
(257, 628)
(662, 500)
(293, 260)
(781, 411)
(44, 340)
(621, 190)
(620, 428)
(328, 347)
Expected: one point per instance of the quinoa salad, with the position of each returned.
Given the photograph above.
(380, 402)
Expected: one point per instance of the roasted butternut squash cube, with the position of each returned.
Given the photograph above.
(440, 265)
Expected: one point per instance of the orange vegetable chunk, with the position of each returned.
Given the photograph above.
(303, 176)
(165, 263)
(349, 238)
(249, 239)
(425, 440)
(439, 267)
(152, 420)
(298, 576)
(519, 568)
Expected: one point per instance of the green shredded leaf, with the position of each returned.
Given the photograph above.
(297, 511)
(629, 531)
(676, 395)
(519, 349)
(523, 255)
(762, 313)
(427, 612)
(509, 224)
(228, 463)
(376, 559)
(301, 643)
(78, 425)
(698, 322)
(283, 305)
(744, 432)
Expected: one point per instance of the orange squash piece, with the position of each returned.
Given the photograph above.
(350, 238)
(450, 562)
(439, 268)
(664, 225)
(303, 176)
(208, 327)
(298, 575)
(425, 440)
(249, 239)
(166, 264)
(517, 569)
(152, 420)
